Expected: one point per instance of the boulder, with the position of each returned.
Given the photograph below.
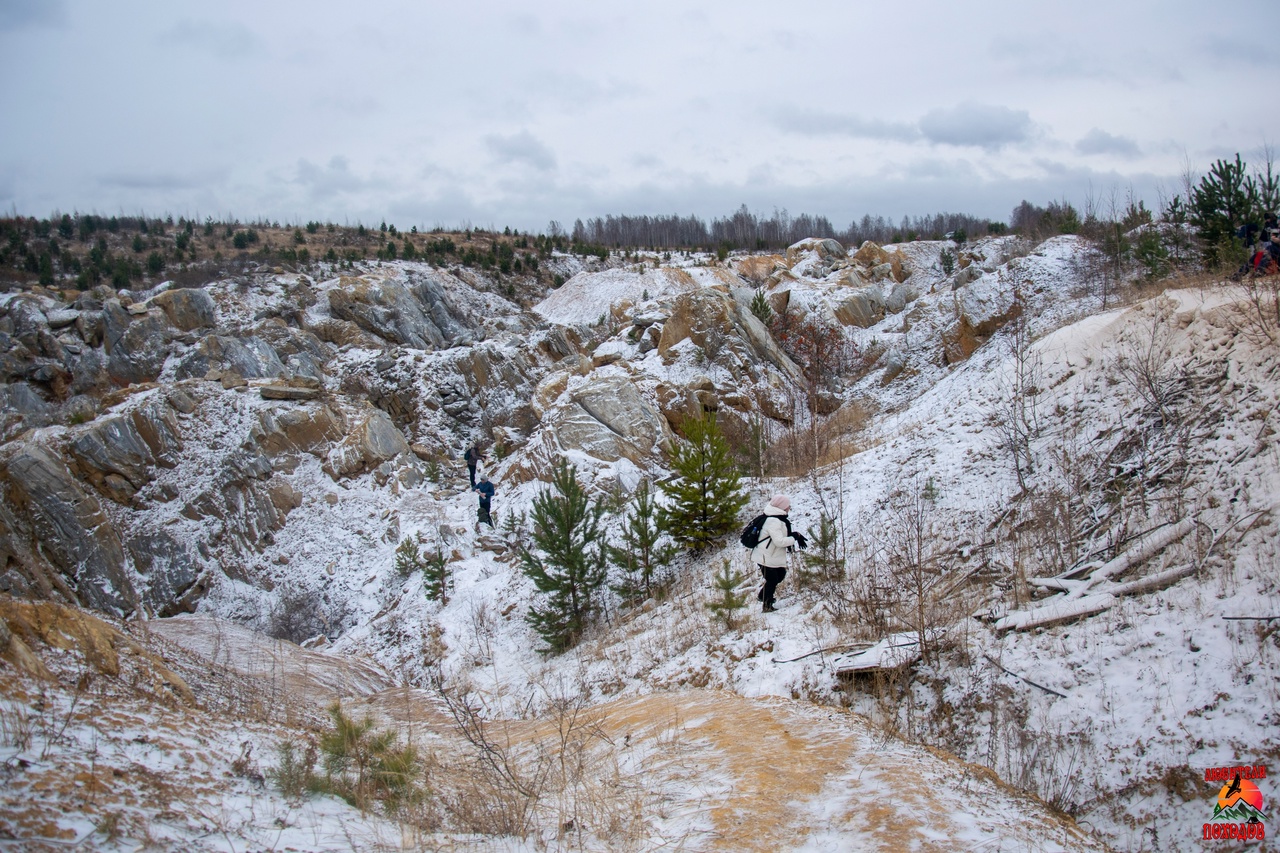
(375, 440)
(249, 358)
(136, 346)
(862, 308)
(186, 308)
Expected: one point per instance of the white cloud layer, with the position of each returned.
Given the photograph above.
(503, 113)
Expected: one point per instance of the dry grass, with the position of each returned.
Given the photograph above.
(828, 440)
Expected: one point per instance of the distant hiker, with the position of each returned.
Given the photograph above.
(485, 490)
(776, 539)
(473, 457)
(1266, 260)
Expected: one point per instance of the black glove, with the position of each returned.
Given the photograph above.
(800, 540)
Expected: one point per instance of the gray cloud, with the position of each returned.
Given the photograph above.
(984, 125)
(521, 147)
(225, 41)
(326, 182)
(1098, 141)
(355, 106)
(20, 14)
(816, 123)
(152, 181)
(1241, 49)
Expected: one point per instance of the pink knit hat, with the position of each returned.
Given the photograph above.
(782, 502)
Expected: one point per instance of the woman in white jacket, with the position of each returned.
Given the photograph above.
(770, 554)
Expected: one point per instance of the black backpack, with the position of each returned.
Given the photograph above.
(750, 537)
(751, 533)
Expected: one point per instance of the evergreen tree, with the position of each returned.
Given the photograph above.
(761, 308)
(726, 582)
(1225, 198)
(822, 562)
(569, 562)
(641, 552)
(705, 498)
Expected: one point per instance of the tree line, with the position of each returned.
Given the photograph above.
(746, 230)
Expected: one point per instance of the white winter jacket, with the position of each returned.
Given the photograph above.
(774, 541)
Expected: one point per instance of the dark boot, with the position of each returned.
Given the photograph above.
(768, 607)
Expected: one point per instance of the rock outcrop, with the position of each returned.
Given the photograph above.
(57, 538)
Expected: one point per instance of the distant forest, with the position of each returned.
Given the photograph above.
(746, 230)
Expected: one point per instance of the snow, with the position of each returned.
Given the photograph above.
(1148, 691)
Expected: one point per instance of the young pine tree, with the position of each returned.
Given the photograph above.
(705, 498)
(730, 602)
(823, 563)
(641, 552)
(568, 562)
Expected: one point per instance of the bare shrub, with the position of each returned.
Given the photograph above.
(802, 448)
(298, 615)
(1257, 312)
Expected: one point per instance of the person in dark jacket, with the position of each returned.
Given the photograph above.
(472, 457)
(485, 490)
(776, 539)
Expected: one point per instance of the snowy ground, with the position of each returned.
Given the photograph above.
(1113, 718)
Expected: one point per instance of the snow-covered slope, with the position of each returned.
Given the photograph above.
(998, 437)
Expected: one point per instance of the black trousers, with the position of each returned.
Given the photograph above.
(471, 470)
(483, 515)
(772, 577)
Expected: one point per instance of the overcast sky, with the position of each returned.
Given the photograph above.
(505, 113)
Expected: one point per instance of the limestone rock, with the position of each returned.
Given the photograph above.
(136, 345)
(249, 358)
(726, 331)
(186, 308)
(61, 526)
(862, 308)
(815, 257)
(374, 441)
(299, 430)
(416, 317)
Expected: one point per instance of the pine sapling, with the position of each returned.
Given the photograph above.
(730, 601)
(642, 552)
(567, 562)
(706, 497)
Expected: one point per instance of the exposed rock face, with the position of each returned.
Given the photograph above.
(982, 307)
(136, 345)
(57, 534)
(374, 440)
(815, 256)
(726, 331)
(117, 454)
(415, 316)
(21, 409)
(299, 430)
(863, 308)
(607, 419)
(171, 570)
(250, 358)
(186, 308)
(873, 258)
(588, 296)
